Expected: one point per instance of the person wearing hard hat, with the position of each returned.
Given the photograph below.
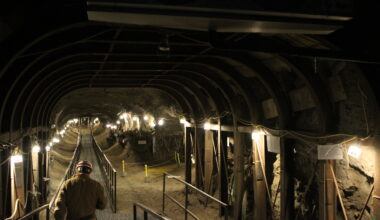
(80, 196)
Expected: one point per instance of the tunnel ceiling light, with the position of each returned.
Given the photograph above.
(207, 126)
(36, 148)
(145, 117)
(118, 122)
(56, 140)
(16, 158)
(354, 151)
(48, 148)
(256, 135)
(161, 122)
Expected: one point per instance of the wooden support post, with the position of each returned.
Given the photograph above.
(260, 191)
(5, 184)
(239, 185)
(222, 160)
(287, 179)
(28, 171)
(330, 191)
(187, 155)
(327, 192)
(376, 190)
(199, 157)
(209, 160)
(322, 190)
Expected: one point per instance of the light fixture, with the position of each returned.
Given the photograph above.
(56, 140)
(182, 121)
(207, 126)
(47, 148)
(256, 134)
(161, 122)
(152, 124)
(17, 158)
(36, 148)
(118, 122)
(145, 117)
(135, 118)
(354, 151)
(75, 120)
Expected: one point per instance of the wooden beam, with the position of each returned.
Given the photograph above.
(222, 174)
(330, 191)
(322, 190)
(287, 179)
(260, 191)
(187, 155)
(239, 185)
(209, 160)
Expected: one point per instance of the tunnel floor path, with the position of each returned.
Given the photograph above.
(88, 153)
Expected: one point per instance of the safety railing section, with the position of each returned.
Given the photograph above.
(109, 173)
(70, 171)
(188, 187)
(31, 214)
(147, 212)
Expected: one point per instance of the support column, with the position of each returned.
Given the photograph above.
(260, 191)
(28, 171)
(287, 179)
(5, 184)
(327, 191)
(199, 157)
(209, 160)
(222, 161)
(239, 185)
(376, 189)
(330, 191)
(187, 155)
(322, 190)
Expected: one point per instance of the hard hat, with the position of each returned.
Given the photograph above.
(84, 163)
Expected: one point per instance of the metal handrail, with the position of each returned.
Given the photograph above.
(185, 206)
(146, 212)
(109, 173)
(37, 210)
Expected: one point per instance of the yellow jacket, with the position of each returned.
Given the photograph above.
(79, 196)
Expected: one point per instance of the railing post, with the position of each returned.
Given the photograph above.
(186, 198)
(163, 193)
(226, 212)
(134, 212)
(115, 192)
(48, 213)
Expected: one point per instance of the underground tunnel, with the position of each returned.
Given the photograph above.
(191, 110)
